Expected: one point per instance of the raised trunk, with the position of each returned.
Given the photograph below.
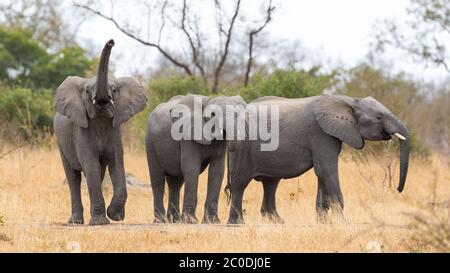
(102, 75)
(394, 125)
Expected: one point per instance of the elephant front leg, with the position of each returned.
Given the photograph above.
(322, 203)
(191, 171)
(215, 177)
(173, 211)
(94, 183)
(74, 180)
(269, 208)
(116, 209)
(329, 195)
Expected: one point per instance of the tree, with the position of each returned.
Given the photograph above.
(43, 19)
(23, 61)
(425, 34)
(203, 50)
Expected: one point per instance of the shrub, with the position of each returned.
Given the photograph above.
(288, 83)
(26, 113)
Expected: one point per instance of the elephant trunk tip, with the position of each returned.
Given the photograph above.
(110, 43)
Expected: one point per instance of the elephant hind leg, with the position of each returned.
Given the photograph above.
(237, 189)
(173, 211)
(157, 180)
(74, 180)
(269, 208)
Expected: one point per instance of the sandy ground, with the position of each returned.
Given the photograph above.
(35, 205)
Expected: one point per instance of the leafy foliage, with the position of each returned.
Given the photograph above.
(289, 83)
(27, 113)
(24, 62)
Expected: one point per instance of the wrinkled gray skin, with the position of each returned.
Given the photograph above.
(183, 161)
(311, 134)
(87, 126)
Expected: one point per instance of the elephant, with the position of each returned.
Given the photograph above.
(311, 132)
(89, 113)
(183, 160)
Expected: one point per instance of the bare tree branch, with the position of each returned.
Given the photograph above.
(251, 35)
(225, 52)
(167, 55)
(194, 49)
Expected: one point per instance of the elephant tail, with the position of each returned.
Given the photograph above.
(228, 186)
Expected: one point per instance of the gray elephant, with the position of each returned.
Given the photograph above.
(183, 160)
(311, 132)
(89, 113)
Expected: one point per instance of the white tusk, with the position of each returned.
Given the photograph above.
(400, 136)
(111, 101)
(93, 101)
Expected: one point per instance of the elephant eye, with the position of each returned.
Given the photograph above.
(379, 117)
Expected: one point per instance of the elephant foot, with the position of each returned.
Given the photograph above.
(116, 213)
(322, 218)
(273, 217)
(174, 217)
(76, 220)
(189, 218)
(211, 218)
(235, 221)
(98, 220)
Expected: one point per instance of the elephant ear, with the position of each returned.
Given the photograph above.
(335, 116)
(68, 100)
(188, 101)
(130, 100)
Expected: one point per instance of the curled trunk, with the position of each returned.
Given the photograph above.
(102, 76)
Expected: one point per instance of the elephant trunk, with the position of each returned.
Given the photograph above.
(102, 76)
(395, 127)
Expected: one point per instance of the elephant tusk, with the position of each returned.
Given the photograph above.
(111, 101)
(400, 136)
(93, 101)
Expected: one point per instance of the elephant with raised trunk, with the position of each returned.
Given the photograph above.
(183, 160)
(89, 113)
(311, 132)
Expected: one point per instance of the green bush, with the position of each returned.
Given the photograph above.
(25, 113)
(24, 62)
(288, 83)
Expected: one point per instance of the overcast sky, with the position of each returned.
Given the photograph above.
(339, 30)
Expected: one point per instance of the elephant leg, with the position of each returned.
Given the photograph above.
(94, 183)
(326, 169)
(268, 208)
(103, 165)
(173, 211)
(157, 180)
(74, 181)
(190, 196)
(191, 170)
(322, 203)
(237, 189)
(116, 209)
(215, 177)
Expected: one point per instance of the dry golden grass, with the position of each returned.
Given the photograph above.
(35, 205)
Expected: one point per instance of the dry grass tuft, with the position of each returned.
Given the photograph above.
(35, 206)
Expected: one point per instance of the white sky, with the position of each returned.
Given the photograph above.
(340, 30)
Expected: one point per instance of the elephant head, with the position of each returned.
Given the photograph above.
(100, 97)
(355, 120)
(221, 111)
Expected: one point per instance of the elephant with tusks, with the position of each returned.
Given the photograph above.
(311, 133)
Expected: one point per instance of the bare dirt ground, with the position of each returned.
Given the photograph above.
(35, 205)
